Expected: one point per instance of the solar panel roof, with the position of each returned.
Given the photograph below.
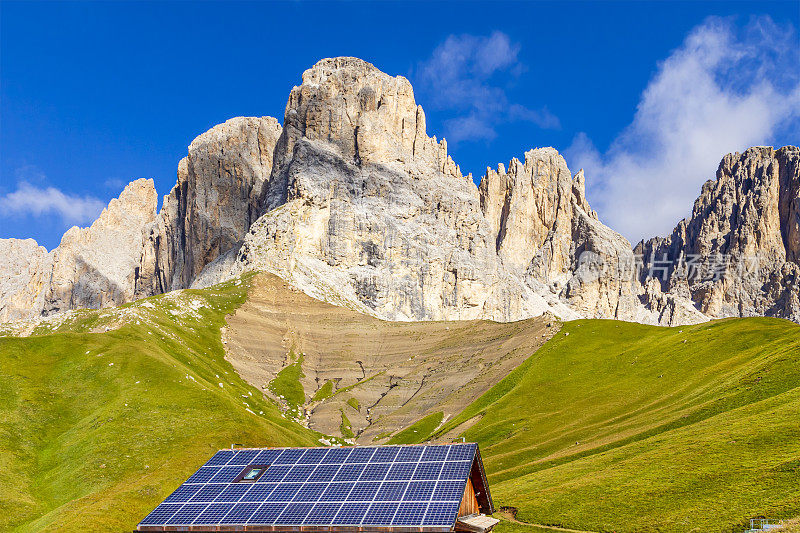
(380, 486)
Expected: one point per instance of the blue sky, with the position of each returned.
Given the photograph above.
(646, 96)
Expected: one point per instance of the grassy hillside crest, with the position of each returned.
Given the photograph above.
(98, 426)
(614, 426)
(610, 426)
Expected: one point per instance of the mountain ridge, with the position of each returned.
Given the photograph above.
(352, 202)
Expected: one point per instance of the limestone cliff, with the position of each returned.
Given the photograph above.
(355, 204)
(91, 267)
(24, 276)
(738, 254)
(212, 205)
(363, 208)
(96, 266)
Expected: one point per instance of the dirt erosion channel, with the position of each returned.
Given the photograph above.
(352, 375)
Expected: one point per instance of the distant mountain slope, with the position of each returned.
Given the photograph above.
(738, 254)
(97, 427)
(625, 427)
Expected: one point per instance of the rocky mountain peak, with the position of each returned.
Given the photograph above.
(363, 205)
(355, 204)
(213, 204)
(365, 116)
(91, 267)
(737, 254)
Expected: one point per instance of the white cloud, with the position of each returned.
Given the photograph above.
(723, 90)
(462, 75)
(31, 200)
(114, 184)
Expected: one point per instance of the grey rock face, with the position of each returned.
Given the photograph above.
(92, 267)
(25, 268)
(738, 253)
(364, 209)
(96, 266)
(212, 205)
(352, 202)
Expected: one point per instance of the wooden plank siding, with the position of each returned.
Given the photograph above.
(469, 502)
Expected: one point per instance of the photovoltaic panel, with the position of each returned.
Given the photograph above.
(226, 474)
(310, 492)
(214, 513)
(419, 491)
(409, 514)
(391, 491)
(360, 455)
(351, 513)
(455, 470)
(299, 473)
(409, 453)
(266, 514)
(428, 471)
(364, 492)
(284, 492)
(401, 471)
(274, 473)
(462, 452)
(221, 457)
(435, 453)
(448, 491)
(440, 513)
(258, 492)
(322, 513)
(385, 454)
(336, 455)
(244, 457)
(381, 486)
(313, 456)
(325, 472)
(207, 493)
(375, 472)
(233, 492)
(240, 513)
(289, 456)
(203, 475)
(187, 514)
(183, 493)
(337, 492)
(294, 513)
(349, 472)
(380, 513)
(162, 513)
(267, 457)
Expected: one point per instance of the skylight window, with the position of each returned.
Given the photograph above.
(251, 473)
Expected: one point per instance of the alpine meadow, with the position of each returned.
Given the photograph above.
(331, 321)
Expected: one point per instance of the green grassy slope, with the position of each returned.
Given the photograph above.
(97, 427)
(624, 427)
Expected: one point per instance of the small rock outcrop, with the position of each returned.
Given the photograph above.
(96, 266)
(739, 252)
